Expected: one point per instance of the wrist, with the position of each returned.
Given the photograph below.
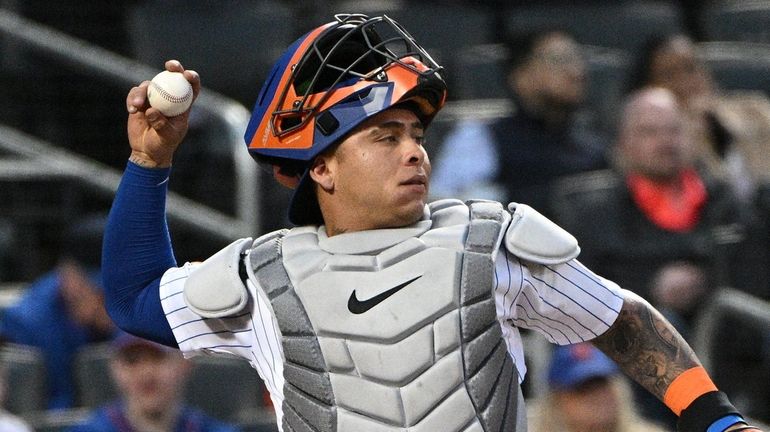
(145, 161)
(708, 413)
(725, 423)
(146, 177)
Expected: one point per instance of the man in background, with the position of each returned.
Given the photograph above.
(150, 379)
(63, 310)
(516, 158)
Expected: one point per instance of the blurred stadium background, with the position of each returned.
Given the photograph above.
(66, 67)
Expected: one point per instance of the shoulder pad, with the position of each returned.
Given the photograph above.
(534, 237)
(214, 289)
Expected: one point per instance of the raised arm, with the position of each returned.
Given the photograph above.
(650, 351)
(137, 247)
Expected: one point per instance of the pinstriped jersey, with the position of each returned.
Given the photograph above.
(566, 303)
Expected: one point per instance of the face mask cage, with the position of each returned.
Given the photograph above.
(355, 48)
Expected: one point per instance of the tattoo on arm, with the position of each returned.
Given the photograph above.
(646, 346)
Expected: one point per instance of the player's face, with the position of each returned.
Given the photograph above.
(378, 176)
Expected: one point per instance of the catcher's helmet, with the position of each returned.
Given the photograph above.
(329, 81)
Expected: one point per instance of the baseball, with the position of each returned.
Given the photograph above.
(170, 93)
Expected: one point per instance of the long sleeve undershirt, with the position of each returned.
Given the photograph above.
(137, 252)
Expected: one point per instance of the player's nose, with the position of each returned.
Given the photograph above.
(414, 152)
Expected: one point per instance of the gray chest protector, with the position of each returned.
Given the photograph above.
(395, 331)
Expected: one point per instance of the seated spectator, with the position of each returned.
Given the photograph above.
(8, 421)
(655, 209)
(516, 158)
(63, 310)
(150, 379)
(731, 129)
(586, 393)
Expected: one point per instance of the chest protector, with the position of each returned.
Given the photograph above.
(393, 330)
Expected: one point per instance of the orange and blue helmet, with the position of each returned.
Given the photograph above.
(327, 83)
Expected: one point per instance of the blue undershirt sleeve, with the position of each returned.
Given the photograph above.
(137, 252)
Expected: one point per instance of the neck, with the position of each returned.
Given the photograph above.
(340, 218)
(342, 226)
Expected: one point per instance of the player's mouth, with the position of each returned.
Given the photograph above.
(417, 181)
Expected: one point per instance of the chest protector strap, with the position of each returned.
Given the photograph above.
(491, 376)
(308, 396)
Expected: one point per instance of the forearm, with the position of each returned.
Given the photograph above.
(651, 352)
(137, 252)
(646, 346)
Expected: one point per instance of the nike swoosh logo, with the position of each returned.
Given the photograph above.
(358, 307)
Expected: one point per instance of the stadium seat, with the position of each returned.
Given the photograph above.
(228, 389)
(58, 420)
(738, 65)
(622, 24)
(25, 378)
(735, 20)
(608, 69)
(93, 381)
(482, 68)
(231, 43)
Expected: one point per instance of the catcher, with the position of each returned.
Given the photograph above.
(378, 311)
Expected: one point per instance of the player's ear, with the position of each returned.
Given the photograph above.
(323, 171)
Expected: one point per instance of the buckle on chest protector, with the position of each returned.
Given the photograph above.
(214, 289)
(534, 237)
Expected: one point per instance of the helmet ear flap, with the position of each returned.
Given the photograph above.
(285, 177)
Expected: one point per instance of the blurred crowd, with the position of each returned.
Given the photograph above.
(657, 164)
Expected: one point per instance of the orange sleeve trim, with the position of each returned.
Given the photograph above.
(687, 387)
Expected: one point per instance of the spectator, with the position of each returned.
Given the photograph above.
(586, 393)
(731, 129)
(8, 421)
(515, 158)
(656, 209)
(63, 310)
(150, 379)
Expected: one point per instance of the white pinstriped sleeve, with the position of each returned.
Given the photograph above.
(567, 303)
(251, 334)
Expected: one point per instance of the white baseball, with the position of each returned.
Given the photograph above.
(170, 93)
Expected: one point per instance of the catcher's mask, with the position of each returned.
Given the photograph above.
(328, 82)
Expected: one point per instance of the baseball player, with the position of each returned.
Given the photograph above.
(378, 312)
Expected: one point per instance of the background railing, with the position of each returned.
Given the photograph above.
(728, 303)
(41, 159)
